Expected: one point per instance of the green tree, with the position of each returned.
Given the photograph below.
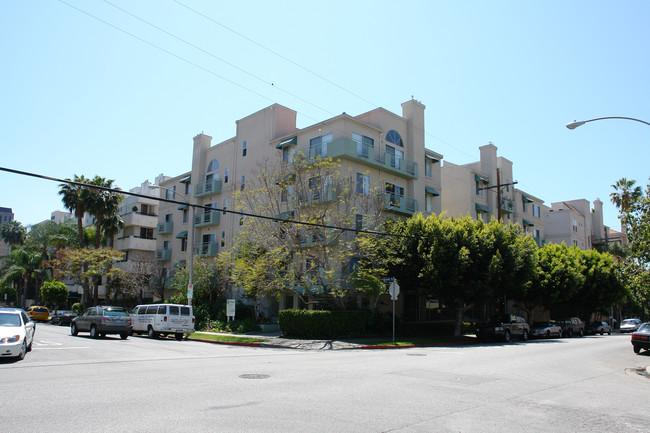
(304, 251)
(13, 232)
(103, 205)
(54, 293)
(74, 199)
(560, 274)
(19, 267)
(8, 295)
(634, 210)
(603, 286)
(87, 267)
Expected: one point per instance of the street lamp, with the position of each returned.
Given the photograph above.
(575, 123)
(190, 286)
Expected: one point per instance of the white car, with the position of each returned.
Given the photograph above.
(159, 320)
(16, 333)
(630, 325)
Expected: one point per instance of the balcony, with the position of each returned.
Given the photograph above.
(165, 228)
(208, 218)
(399, 204)
(139, 219)
(206, 249)
(164, 254)
(320, 195)
(207, 188)
(346, 148)
(507, 205)
(135, 243)
(310, 240)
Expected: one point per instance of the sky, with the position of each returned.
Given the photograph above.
(119, 88)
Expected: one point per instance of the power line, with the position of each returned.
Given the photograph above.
(208, 208)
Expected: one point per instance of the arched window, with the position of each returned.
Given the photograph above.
(394, 137)
(213, 166)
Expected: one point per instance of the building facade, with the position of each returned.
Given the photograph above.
(377, 148)
(6, 215)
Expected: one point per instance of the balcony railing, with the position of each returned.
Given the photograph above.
(208, 218)
(139, 219)
(401, 204)
(206, 249)
(207, 188)
(165, 228)
(319, 195)
(135, 243)
(346, 148)
(326, 238)
(164, 254)
(507, 205)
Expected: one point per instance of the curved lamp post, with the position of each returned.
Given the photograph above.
(190, 286)
(575, 123)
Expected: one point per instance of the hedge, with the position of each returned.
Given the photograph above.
(320, 324)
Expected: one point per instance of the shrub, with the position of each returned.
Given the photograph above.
(324, 324)
(78, 307)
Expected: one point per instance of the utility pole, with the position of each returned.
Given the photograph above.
(498, 187)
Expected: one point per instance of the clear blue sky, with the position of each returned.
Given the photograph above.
(87, 88)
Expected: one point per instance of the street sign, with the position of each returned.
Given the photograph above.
(190, 291)
(389, 279)
(230, 308)
(394, 290)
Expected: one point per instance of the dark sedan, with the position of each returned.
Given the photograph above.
(63, 317)
(641, 338)
(598, 328)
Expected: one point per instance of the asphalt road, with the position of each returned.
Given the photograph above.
(69, 384)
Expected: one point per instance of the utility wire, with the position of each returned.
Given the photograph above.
(208, 208)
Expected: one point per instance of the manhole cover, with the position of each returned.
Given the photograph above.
(254, 376)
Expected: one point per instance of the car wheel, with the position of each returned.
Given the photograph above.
(524, 336)
(582, 332)
(570, 334)
(602, 332)
(548, 334)
(609, 333)
(637, 349)
(93, 332)
(151, 333)
(179, 337)
(29, 346)
(124, 335)
(507, 337)
(23, 351)
(73, 329)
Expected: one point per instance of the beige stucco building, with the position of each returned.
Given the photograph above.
(379, 147)
(485, 189)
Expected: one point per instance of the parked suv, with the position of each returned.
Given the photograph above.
(503, 327)
(572, 326)
(100, 321)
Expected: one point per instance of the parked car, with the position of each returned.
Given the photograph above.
(16, 333)
(545, 329)
(503, 327)
(572, 326)
(598, 328)
(161, 319)
(100, 321)
(629, 325)
(641, 338)
(63, 317)
(38, 313)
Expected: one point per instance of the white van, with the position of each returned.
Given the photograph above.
(161, 319)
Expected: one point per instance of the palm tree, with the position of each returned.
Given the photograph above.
(624, 196)
(75, 202)
(112, 226)
(19, 267)
(101, 204)
(13, 232)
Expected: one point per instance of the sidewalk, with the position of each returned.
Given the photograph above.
(275, 340)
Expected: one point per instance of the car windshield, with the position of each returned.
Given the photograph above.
(644, 328)
(628, 322)
(9, 319)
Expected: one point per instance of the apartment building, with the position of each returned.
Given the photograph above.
(378, 147)
(485, 189)
(6, 215)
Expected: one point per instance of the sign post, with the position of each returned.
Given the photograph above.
(230, 309)
(394, 293)
(190, 293)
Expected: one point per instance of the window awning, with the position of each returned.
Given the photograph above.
(183, 206)
(431, 191)
(480, 178)
(481, 208)
(181, 235)
(526, 199)
(285, 143)
(431, 157)
(527, 223)
(185, 179)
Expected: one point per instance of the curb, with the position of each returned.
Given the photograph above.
(231, 343)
